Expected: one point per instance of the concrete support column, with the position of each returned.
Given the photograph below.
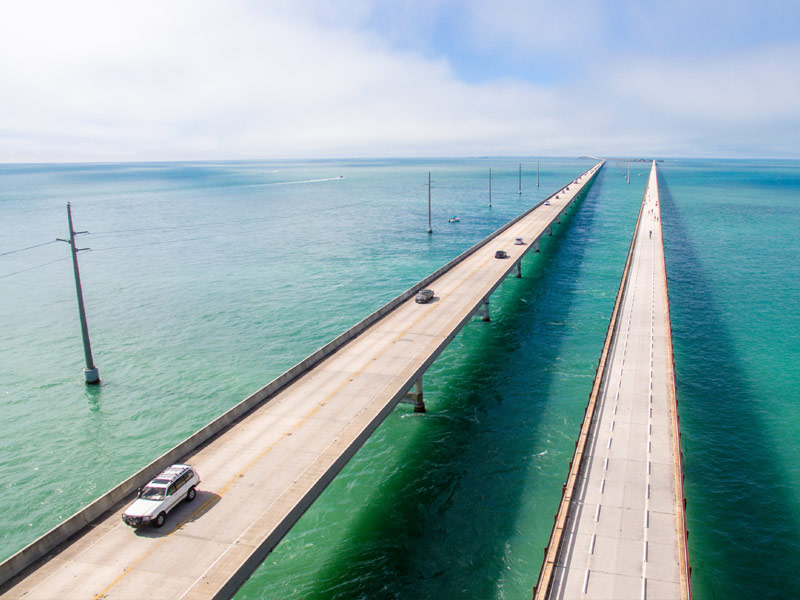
(549, 230)
(91, 375)
(519, 269)
(558, 220)
(485, 310)
(419, 404)
(536, 246)
(416, 397)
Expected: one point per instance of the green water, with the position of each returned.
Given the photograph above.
(197, 296)
(459, 502)
(731, 236)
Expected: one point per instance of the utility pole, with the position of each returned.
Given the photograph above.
(490, 187)
(430, 229)
(90, 373)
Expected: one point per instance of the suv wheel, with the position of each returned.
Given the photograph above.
(162, 516)
(191, 494)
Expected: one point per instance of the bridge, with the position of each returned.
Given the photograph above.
(620, 530)
(266, 460)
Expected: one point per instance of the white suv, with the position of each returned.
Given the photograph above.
(161, 495)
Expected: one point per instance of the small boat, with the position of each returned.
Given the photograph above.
(453, 219)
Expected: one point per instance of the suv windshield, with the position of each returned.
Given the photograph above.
(152, 493)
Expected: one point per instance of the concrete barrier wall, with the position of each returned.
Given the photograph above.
(84, 517)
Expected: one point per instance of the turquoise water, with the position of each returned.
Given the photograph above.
(206, 280)
(732, 246)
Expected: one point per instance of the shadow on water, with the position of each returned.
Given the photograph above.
(744, 539)
(438, 525)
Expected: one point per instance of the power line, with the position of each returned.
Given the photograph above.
(172, 241)
(110, 233)
(189, 239)
(102, 234)
(28, 248)
(32, 268)
(206, 237)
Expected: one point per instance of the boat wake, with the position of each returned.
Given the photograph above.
(308, 181)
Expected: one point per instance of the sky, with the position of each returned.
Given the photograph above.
(142, 80)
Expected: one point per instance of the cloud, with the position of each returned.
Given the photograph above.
(740, 104)
(187, 80)
(199, 79)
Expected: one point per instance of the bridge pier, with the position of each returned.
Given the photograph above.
(549, 230)
(536, 246)
(485, 310)
(415, 397)
(558, 220)
(519, 269)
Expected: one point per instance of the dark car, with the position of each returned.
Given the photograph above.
(424, 296)
(501, 254)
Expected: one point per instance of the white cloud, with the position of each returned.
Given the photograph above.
(145, 80)
(172, 80)
(740, 104)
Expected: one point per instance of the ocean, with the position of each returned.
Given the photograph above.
(206, 280)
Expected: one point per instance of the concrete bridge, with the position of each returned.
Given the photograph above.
(266, 460)
(620, 531)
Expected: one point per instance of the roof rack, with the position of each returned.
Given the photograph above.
(172, 473)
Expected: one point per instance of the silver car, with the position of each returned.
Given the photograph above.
(424, 296)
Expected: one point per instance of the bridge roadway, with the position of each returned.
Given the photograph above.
(620, 530)
(262, 473)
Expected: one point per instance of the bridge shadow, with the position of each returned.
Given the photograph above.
(439, 523)
(185, 512)
(739, 505)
